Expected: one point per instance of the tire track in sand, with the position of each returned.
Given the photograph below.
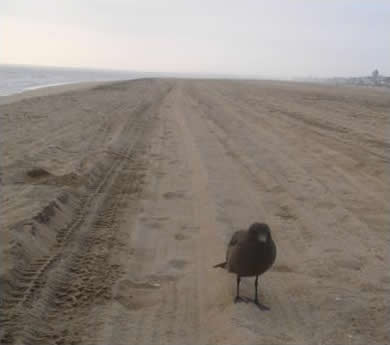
(161, 302)
(44, 284)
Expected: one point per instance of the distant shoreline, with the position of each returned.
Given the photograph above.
(31, 88)
(51, 89)
(57, 88)
(20, 79)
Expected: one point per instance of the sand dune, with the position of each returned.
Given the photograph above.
(117, 200)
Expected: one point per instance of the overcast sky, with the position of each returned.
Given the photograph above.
(266, 38)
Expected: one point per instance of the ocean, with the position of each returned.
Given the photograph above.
(17, 78)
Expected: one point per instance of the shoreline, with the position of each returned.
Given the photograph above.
(57, 88)
(42, 86)
(50, 89)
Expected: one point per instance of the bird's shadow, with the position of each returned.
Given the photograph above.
(259, 305)
(262, 306)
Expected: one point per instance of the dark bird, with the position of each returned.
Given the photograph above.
(250, 253)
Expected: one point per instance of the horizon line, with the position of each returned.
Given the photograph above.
(194, 74)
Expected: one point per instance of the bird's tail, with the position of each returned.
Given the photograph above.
(221, 265)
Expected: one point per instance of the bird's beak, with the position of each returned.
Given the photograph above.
(262, 238)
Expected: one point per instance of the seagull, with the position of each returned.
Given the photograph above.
(250, 253)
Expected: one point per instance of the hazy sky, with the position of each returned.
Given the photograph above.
(271, 38)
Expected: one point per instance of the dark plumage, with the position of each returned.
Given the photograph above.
(250, 253)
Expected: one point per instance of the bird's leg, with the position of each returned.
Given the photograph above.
(237, 289)
(256, 300)
(238, 297)
(256, 284)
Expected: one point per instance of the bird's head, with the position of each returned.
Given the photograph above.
(260, 232)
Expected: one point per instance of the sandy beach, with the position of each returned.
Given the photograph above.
(117, 199)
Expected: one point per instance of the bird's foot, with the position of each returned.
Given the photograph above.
(260, 305)
(241, 299)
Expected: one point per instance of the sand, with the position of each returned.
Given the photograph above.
(117, 200)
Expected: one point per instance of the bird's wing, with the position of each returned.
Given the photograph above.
(273, 252)
(237, 237)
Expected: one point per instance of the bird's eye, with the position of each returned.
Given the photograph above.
(262, 237)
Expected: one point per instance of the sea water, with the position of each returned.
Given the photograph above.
(18, 78)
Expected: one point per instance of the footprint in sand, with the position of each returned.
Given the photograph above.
(282, 269)
(154, 225)
(180, 237)
(136, 295)
(178, 264)
(353, 264)
(153, 222)
(190, 228)
(325, 204)
(160, 219)
(160, 174)
(174, 195)
(230, 202)
(286, 213)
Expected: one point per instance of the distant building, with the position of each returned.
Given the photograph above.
(375, 76)
(375, 79)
